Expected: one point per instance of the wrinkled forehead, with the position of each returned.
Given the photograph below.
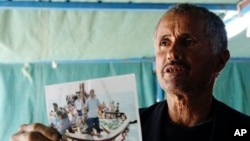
(185, 22)
(187, 17)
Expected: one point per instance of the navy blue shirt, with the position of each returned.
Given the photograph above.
(200, 132)
(221, 125)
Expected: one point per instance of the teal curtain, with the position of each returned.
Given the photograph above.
(233, 86)
(22, 98)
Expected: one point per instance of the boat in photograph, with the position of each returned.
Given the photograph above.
(112, 129)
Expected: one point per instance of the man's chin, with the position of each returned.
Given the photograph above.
(173, 88)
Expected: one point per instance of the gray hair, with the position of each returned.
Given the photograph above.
(214, 26)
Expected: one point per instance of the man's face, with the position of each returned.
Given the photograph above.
(184, 59)
(92, 93)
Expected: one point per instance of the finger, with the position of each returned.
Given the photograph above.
(18, 136)
(20, 129)
(28, 136)
(46, 131)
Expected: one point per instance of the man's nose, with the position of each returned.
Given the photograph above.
(174, 53)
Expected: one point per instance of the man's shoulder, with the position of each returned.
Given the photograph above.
(228, 122)
(226, 112)
(92, 100)
(153, 107)
(153, 111)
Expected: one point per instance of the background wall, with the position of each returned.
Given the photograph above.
(31, 35)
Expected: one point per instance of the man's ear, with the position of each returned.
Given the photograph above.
(222, 59)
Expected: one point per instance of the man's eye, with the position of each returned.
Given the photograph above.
(188, 43)
(164, 43)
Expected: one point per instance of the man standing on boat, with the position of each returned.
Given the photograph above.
(92, 105)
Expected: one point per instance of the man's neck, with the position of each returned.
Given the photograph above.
(188, 110)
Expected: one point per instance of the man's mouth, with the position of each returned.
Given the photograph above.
(175, 68)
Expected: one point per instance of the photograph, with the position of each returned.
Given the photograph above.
(97, 109)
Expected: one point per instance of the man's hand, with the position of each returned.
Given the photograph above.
(35, 132)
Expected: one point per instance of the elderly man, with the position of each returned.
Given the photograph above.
(191, 50)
